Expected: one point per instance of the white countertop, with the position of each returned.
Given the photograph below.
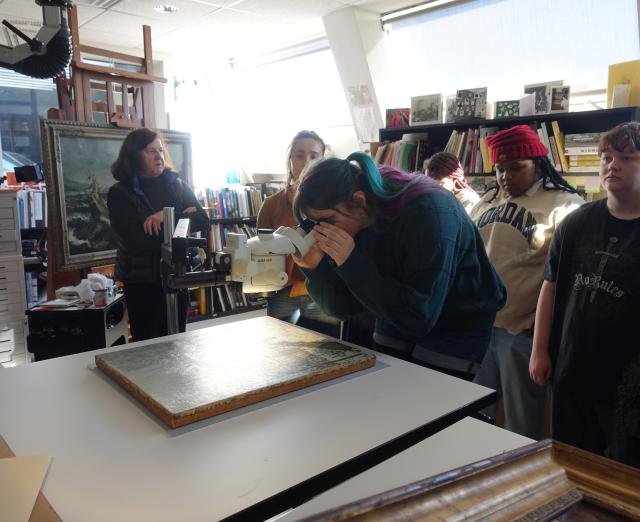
(113, 460)
(465, 442)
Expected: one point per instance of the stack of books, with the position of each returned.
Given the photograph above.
(582, 152)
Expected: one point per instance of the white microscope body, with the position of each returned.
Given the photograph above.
(259, 262)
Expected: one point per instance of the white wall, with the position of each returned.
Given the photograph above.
(504, 44)
(243, 120)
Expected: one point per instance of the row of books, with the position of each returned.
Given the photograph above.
(471, 104)
(567, 157)
(235, 201)
(231, 202)
(408, 154)
(218, 233)
(32, 208)
(470, 148)
(217, 300)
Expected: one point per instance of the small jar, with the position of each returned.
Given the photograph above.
(100, 298)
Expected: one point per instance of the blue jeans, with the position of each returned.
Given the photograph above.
(301, 311)
(505, 368)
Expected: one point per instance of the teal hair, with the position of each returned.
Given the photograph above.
(372, 176)
(332, 181)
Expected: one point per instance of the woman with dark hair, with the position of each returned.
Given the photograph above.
(292, 303)
(446, 168)
(147, 184)
(403, 248)
(516, 219)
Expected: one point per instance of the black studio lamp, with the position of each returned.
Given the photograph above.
(49, 52)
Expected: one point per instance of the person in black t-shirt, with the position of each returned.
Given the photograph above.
(146, 184)
(585, 338)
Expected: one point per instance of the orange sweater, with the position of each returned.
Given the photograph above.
(276, 211)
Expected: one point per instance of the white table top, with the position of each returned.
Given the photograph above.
(113, 460)
(465, 442)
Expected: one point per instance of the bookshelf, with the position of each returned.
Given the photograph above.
(570, 122)
(225, 300)
(232, 208)
(436, 137)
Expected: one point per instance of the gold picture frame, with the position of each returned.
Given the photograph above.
(546, 480)
(76, 161)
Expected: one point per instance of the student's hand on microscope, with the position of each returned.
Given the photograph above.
(334, 242)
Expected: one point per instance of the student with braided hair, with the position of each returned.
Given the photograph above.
(446, 168)
(516, 219)
(401, 247)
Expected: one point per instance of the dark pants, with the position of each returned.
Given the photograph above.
(594, 427)
(466, 347)
(147, 308)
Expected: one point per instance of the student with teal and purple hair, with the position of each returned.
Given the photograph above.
(403, 248)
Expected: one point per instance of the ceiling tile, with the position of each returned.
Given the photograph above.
(188, 10)
(231, 33)
(20, 9)
(230, 28)
(288, 10)
(106, 40)
(125, 25)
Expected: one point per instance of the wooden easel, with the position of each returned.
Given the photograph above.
(129, 103)
(135, 89)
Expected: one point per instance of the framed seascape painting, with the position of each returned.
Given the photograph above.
(77, 160)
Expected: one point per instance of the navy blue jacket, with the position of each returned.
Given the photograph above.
(138, 258)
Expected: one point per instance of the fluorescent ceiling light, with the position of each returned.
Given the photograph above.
(391, 16)
(165, 8)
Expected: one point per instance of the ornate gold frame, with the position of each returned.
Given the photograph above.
(541, 481)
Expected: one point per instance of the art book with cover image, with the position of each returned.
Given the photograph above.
(426, 109)
(560, 98)
(398, 118)
(450, 110)
(471, 104)
(507, 108)
(542, 92)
